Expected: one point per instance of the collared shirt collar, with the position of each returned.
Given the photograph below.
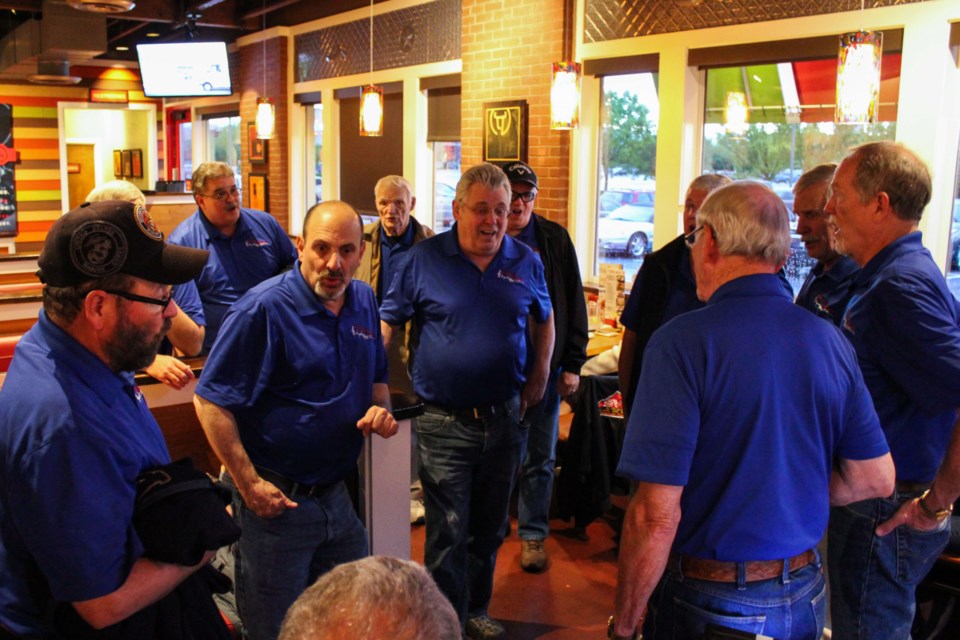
(307, 302)
(905, 244)
(757, 284)
(840, 270)
(406, 239)
(451, 245)
(214, 233)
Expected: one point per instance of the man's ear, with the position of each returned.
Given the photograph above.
(413, 203)
(94, 308)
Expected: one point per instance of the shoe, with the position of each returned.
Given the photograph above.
(417, 513)
(485, 628)
(533, 556)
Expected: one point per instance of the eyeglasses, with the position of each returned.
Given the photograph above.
(691, 238)
(527, 196)
(484, 211)
(163, 303)
(221, 194)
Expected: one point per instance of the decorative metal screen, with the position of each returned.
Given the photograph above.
(417, 35)
(612, 19)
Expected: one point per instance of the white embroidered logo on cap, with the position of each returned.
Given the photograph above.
(146, 224)
(98, 248)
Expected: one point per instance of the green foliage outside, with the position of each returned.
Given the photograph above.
(629, 143)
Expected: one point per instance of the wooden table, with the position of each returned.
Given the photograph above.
(598, 343)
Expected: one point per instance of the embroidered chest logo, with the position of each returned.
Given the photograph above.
(253, 242)
(509, 276)
(362, 332)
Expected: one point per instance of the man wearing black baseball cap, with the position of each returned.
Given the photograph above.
(538, 457)
(76, 431)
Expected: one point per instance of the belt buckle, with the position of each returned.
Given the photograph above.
(476, 414)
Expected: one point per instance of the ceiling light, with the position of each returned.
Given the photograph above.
(371, 99)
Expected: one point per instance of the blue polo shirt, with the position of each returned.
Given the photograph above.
(827, 293)
(258, 249)
(73, 438)
(749, 419)
(681, 298)
(392, 251)
(903, 323)
(188, 299)
(296, 377)
(473, 323)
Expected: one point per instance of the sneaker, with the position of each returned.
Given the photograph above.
(485, 628)
(533, 556)
(417, 512)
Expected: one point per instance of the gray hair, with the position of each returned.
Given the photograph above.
(709, 182)
(377, 598)
(892, 168)
(393, 181)
(209, 170)
(820, 174)
(489, 175)
(116, 190)
(748, 220)
(64, 303)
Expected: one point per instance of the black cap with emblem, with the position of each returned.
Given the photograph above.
(98, 239)
(520, 172)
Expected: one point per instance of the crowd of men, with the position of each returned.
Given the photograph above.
(751, 446)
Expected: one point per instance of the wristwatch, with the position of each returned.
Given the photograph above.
(612, 634)
(939, 515)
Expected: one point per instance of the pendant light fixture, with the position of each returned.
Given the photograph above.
(735, 113)
(565, 81)
(858, 76)
(371, 99)
(266, 117)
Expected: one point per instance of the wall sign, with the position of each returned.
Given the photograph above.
(505, 131)
(8, 158)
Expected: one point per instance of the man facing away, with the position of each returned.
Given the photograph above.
(662, 289)
(826, 290)
(754, 437)
(903, 323)
(562, 271)
(289, 392)
(246, 246)
(474, 291)
(75, 431)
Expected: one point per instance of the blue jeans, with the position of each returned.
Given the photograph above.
(872, 579)
(276, 559)
(539, 456)
(791, 607)
(467, 469)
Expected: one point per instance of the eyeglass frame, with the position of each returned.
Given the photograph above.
(163, 303)
(499, 214)
(232, 191)
(691, 238)
(524, 196)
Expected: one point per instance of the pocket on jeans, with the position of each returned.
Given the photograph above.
(691, 621)
(430, 423)
(818, 604)
(917, 551)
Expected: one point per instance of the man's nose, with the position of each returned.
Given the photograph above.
(333, 262)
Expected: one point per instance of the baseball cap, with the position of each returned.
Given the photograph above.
(521, 172)
(98, 239)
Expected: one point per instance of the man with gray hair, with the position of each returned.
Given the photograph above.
(826, 290)
(662, 289)
(246, 246)
(735, 468)
(905, 327)
(389, 599)
(477, 292)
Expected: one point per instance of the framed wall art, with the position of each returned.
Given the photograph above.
(127, 162)
(505, 131)
(117, 163)
(258, 191)
(136, 163)
(256, 148)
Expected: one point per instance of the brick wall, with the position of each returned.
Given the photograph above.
(507, 50)
(251, 81)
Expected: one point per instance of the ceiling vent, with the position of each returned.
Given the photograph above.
(102, 6)
(53, 72)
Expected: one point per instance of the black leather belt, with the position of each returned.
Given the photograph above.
(906, 489)
(289, 487)
(470, 413)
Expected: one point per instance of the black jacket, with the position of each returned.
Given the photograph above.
(562, 272)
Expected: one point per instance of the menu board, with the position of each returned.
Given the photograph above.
(8, 157)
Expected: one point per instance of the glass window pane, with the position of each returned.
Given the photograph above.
(953, 255)
(788, 129)
(626, 184)
(186, 150)
(446, 174)
(223, 141)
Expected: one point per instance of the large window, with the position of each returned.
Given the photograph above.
(222, 141)
(953, 255)
(626, 183)
(446, 174)
(788, 128)
(313, 161)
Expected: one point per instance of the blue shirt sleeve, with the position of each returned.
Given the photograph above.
(541, 295)
(397, 306)
(862, 437)
(188, 299)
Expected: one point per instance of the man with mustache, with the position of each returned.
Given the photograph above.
(288, 393)
(75, 431)
(246, 246)
(826, 290)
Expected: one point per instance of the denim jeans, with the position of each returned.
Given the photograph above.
(276, 559)
(791, 607)
(467, 469)
(873, 579)
(539, 456)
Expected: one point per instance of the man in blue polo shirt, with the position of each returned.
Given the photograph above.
(287, 395)
(246, 246)
(75, 431)
(905, 327)
(827, 288)
(473, 290)
(735, 466)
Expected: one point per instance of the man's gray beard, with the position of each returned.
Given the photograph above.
(130, 348)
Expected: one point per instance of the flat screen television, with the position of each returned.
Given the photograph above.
(184, 69)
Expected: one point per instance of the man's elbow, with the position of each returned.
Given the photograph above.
(98, 613)
(885, 480)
